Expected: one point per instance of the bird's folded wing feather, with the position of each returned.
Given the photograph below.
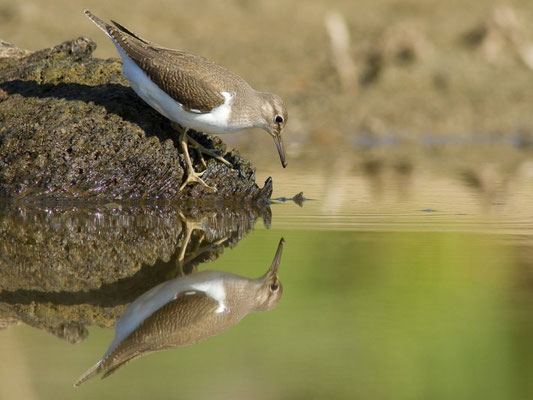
(189, 79)
(161, 330)
(157, 332)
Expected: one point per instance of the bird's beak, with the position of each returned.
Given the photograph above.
(281, 149)
(273, 270)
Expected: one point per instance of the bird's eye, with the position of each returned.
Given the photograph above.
(278, 119)
(274, 288)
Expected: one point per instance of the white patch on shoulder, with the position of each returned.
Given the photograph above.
(217, 119)
(215, 290)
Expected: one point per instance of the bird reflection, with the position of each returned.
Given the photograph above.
(186, 310)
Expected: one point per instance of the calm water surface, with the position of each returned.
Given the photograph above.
(396, 286)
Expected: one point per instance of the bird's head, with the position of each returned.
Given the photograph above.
(270, 288)
(274, 117)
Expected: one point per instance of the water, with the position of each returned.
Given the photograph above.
(397, 283)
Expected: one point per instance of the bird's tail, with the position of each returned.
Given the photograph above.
(115, 32)
(99, 22)
(94, 370)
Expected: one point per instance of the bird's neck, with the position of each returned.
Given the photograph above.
(243, 295)
(248, 111)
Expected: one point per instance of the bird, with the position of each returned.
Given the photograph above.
(194, 93)
(186, 310)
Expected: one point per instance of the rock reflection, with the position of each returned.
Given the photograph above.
(62, 268)
(186, 310)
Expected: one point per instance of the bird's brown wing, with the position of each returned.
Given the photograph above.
(185, 78)
(161, 330)
(191, 80)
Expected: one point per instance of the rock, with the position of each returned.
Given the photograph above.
(7, 50)
(71, 129)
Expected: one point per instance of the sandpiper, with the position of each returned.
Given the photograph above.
(195, 93)
(186, 310)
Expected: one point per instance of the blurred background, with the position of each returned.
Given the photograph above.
(357, 72)
(371, 86)
(409, 273)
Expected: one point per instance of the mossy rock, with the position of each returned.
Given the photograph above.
(72, 129)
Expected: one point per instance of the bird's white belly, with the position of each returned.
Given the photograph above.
(216, 121)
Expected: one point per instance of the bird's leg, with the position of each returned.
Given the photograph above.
(209, 152)
(201, 149)
(199, 250)
(200, 156)
(187, 228)
(192, 176)
(186, 240)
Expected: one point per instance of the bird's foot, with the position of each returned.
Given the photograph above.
(192, 176)
(195, 177)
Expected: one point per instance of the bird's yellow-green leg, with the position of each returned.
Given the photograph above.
(209, 152)
(192, 176)
(201, 149)
(182, 260)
